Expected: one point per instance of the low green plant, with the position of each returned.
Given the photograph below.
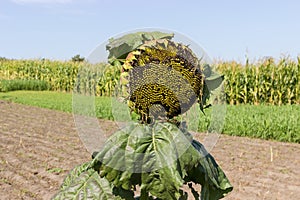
(281, 123)
(12, 85)
(55, 170)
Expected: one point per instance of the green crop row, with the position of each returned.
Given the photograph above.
(264, 82)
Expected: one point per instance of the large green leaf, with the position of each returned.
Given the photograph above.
(164, 180)
(120, 47)
(160, 158)
(84, 183)
(145, 155)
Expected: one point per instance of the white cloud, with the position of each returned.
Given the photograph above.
(42, 1)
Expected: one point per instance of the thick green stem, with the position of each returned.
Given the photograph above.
(144, 195)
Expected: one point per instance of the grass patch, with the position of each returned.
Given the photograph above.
(281, 123)
(58, 101)
(44, 99)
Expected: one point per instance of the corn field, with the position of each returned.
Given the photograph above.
(59, 75)
(263, 82)
(99, 79)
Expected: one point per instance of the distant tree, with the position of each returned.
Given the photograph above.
(77, 58)
(3, 58)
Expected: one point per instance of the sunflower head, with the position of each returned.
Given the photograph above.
(162, 79)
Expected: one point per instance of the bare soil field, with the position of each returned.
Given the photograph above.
(38, 147)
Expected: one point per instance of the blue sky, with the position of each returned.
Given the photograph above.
(228, 29)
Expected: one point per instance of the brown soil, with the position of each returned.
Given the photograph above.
(38, 147)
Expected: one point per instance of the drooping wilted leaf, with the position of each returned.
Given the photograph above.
(206, 172)
(213, 82)
(212, 78)
(120, 47)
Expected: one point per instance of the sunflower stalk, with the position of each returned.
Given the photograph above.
(160, 80)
